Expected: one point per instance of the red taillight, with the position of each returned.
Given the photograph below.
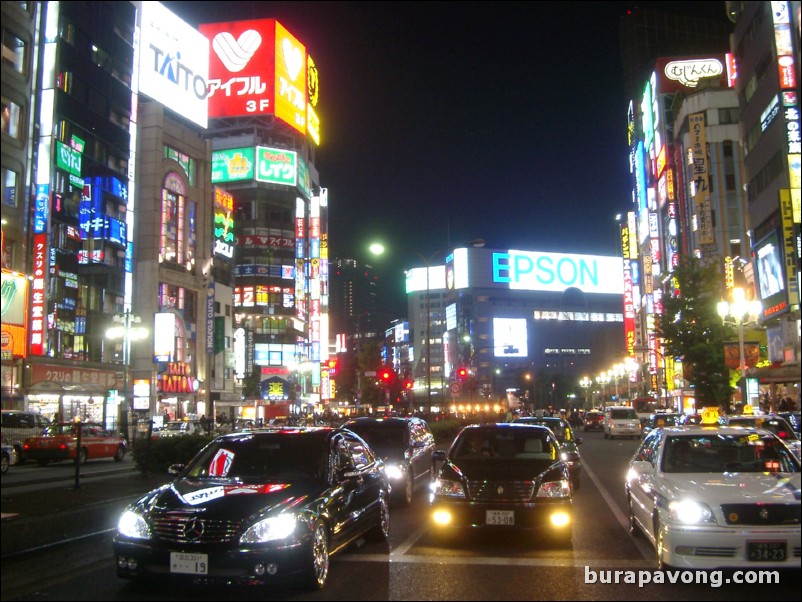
(782, 435)
(772, 466)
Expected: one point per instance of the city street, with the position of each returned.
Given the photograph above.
(419, 566)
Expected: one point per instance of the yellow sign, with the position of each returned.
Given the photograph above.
(710, 416)
(749, 410)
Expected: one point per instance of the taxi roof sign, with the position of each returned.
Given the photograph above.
(709, 416)
(749, 410)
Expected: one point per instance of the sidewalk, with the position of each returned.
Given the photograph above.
(33, 517)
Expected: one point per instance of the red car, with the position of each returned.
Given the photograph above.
(60, 442)
(594, 421)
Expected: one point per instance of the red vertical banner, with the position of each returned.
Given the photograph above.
(37, 321)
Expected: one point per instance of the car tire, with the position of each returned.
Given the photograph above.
(5, 462)
(317, 571)
(659, 544)
(575, 482)
(380, 532)
(634, 530)
(120, 454)
(606, 436)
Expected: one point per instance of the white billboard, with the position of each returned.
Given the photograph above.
(173, 63)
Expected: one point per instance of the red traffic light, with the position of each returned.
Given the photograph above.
(462, 373)
(408, 384)
(386, 376)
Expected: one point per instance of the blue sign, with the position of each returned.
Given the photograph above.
(41, 209)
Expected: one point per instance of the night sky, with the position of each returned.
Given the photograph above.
(445, 122)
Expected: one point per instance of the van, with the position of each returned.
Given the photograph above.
(621, 421)
(18, 425)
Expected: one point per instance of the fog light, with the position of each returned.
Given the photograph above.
(132, 564)
(441, 517)
(259, 569)
(560, 519)
(272, 568)
(122, 562)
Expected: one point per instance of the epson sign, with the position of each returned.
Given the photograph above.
(536, 271)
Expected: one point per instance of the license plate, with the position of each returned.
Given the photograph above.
(765, 551)
(192, 564)
(500, 517)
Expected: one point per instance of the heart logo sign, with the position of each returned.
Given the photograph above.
(235, 54)
(293, 59)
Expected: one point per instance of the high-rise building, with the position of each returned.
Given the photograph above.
(766, 46)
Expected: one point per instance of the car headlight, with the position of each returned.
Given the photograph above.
(395, 471)
(690, 512)
(448, 488)
(555, 489)
(133, 524)
(569, 457)
(270, 529)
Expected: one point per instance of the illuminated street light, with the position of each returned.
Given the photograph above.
(740, 312)
(128, 332)
(603, 379)
(585, 383)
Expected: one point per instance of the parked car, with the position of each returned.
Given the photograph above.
(60, 442)
(503, 476)
(710, 497)
(17, 425)
(793, 419)
(176, 428)
(8, 457)
(621, 421)
(690, 419)
(776, 424)
(659, 420)
(593, 421)
(254, 507)
(406, 445)
(569, 450)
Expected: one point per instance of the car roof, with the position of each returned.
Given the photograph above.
(505, 425)
(698, 429)
(388, 420)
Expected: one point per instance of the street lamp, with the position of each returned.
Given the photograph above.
(738, 313)
(617, 372)
(585, 383)
(127, 331)
(603, 379)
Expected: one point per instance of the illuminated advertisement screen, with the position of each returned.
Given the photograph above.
(173, 63)
(770, 274)
(233, 165)
(276, 165)
(509, 337)
(242, 71)
(290, 83)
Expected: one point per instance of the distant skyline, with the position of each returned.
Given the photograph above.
(446, 122)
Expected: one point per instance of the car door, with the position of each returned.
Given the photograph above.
(642, 484)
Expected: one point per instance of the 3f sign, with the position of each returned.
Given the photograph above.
(264, 106)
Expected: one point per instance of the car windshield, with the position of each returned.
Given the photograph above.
(661, 420)
(778, 426)
(624, 414)
(381, 435)
(746, 452)
(60, 429)
(504, 444)
(555, 424)
(262, 457)
(176, 426)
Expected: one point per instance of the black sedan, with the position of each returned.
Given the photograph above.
(406, 445)
(504, 476)
(256, 506)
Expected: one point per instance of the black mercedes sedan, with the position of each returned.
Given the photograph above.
(504, 476)
(256, 506)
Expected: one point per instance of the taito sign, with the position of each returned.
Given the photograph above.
(256, 68)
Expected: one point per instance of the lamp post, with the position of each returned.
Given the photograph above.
(585, 383)
(603, 379)
(127, 332)
(617, 372)
(740, 312)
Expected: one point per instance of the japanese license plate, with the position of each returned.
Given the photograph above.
(192, 564)
(499, 517)
(765, 551)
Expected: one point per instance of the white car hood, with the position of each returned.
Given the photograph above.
(738, 487)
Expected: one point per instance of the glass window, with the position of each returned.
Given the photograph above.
(10, 187)
(14, 52)
(11, 118)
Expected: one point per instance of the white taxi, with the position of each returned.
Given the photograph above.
(716, 497)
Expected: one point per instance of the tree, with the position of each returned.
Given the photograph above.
(693, 330)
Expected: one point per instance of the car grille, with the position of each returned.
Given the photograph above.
(500, 491)
(190, 527)
(710, 551)
(761, 514)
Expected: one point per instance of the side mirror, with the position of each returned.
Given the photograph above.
(578, 440)
(439, 455)
(175, 469)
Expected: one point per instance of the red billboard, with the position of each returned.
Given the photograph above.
(256, 67)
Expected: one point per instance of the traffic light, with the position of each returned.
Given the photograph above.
(462, 373)
(386, 375)
(332, 365)
(408, 384)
